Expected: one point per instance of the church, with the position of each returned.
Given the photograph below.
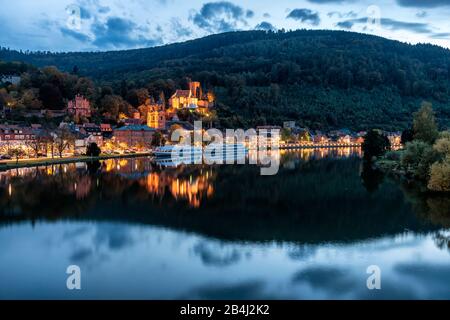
(155, 114)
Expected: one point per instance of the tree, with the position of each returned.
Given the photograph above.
(417, 158)
(138, 97)
(51, 96)
(440, 176)
(93, 150)
(375, 144)
(407, 136)
(63, 140)
(16, 152)
(442, 145)
(158, 139)
(424, 124)
(286, 135)
(112, 105)
(36, 145)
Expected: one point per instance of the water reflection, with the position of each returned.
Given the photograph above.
(218, 232)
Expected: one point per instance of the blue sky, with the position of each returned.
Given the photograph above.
(98, 25)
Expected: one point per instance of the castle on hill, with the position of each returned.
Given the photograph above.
(194, 98)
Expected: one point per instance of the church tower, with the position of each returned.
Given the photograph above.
(156, 117)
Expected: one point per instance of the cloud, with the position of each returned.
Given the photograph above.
(329, 279)
(305, 15)
(423, 3)
(214, 256)
(118, 32)
(252, 289)
(330, 1)
(348, 24)
(421, 14)
(389, 24)
(84, 13)
(267, 26)
(220, 16)
(74, 34)
(179, 29)
(349, 14)
(441, 35)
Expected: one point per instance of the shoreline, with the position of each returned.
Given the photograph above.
(318, 146)
(29, 163)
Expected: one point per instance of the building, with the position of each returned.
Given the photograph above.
(135, 136)
(16, 135)
(289, 125)
(132, 122)
(156, 117)
(93, 132)
(320, 138)
(79, 107)
(106, 130)
(80, 143)
(193, 98)
(12, 79)
(395, 138)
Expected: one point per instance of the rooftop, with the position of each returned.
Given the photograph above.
(135, 128)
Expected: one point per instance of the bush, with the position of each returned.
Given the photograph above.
(418, 157)
(393, 155)
(442, 145)
(440, 177)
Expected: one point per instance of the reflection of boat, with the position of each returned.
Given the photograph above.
(168, 161)
(174, 155)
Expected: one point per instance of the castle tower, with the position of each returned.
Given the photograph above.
(196, 89)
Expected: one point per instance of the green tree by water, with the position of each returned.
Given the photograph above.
(424, 124)
(440, 170)
(93, 150)
(417, 159)
(375, 144)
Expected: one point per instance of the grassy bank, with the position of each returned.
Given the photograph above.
(24, 163)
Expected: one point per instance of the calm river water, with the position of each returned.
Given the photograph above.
(141, 231)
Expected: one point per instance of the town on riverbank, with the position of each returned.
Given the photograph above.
(79, 130)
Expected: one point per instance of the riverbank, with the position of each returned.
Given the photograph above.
(318, 146)
(25, 163)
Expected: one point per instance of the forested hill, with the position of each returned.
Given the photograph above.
(322, 79)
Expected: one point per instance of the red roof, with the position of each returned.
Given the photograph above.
(182, 93)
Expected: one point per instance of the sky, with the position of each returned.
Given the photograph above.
(100, 25)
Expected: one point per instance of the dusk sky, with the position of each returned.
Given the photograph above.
(93, 25)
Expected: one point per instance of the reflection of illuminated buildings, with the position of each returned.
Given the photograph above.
(192, 188)
(174, 181)
(307, 154)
